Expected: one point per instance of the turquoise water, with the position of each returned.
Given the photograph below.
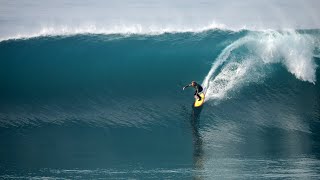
(92, 106)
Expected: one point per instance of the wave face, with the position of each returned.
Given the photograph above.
(98, 105)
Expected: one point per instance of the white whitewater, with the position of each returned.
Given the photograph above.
(295, 51)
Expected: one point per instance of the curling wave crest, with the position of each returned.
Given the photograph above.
(246, 60)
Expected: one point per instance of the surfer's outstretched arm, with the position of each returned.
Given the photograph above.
(187, 86)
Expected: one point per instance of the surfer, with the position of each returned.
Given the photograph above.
(198, 88)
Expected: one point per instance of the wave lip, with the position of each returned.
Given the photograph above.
(293, 50)
(65, 30)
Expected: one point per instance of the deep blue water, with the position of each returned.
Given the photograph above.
(111, 106)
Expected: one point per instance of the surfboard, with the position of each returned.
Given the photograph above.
(198, 103)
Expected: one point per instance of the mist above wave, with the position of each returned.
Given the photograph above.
(33, 18)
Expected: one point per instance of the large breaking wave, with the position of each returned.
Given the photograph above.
(100, 78)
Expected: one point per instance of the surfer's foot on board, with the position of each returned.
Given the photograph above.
(199, 97)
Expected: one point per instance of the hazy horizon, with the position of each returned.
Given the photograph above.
(30, 18)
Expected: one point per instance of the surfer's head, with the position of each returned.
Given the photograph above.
(193, 83)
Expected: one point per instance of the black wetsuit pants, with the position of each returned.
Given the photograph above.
(199, 90)
(195, 93)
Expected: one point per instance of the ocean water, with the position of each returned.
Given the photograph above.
(111, 106)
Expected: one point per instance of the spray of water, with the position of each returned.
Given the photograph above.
(232, 70)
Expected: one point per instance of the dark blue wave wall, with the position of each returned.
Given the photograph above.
(71, 74)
